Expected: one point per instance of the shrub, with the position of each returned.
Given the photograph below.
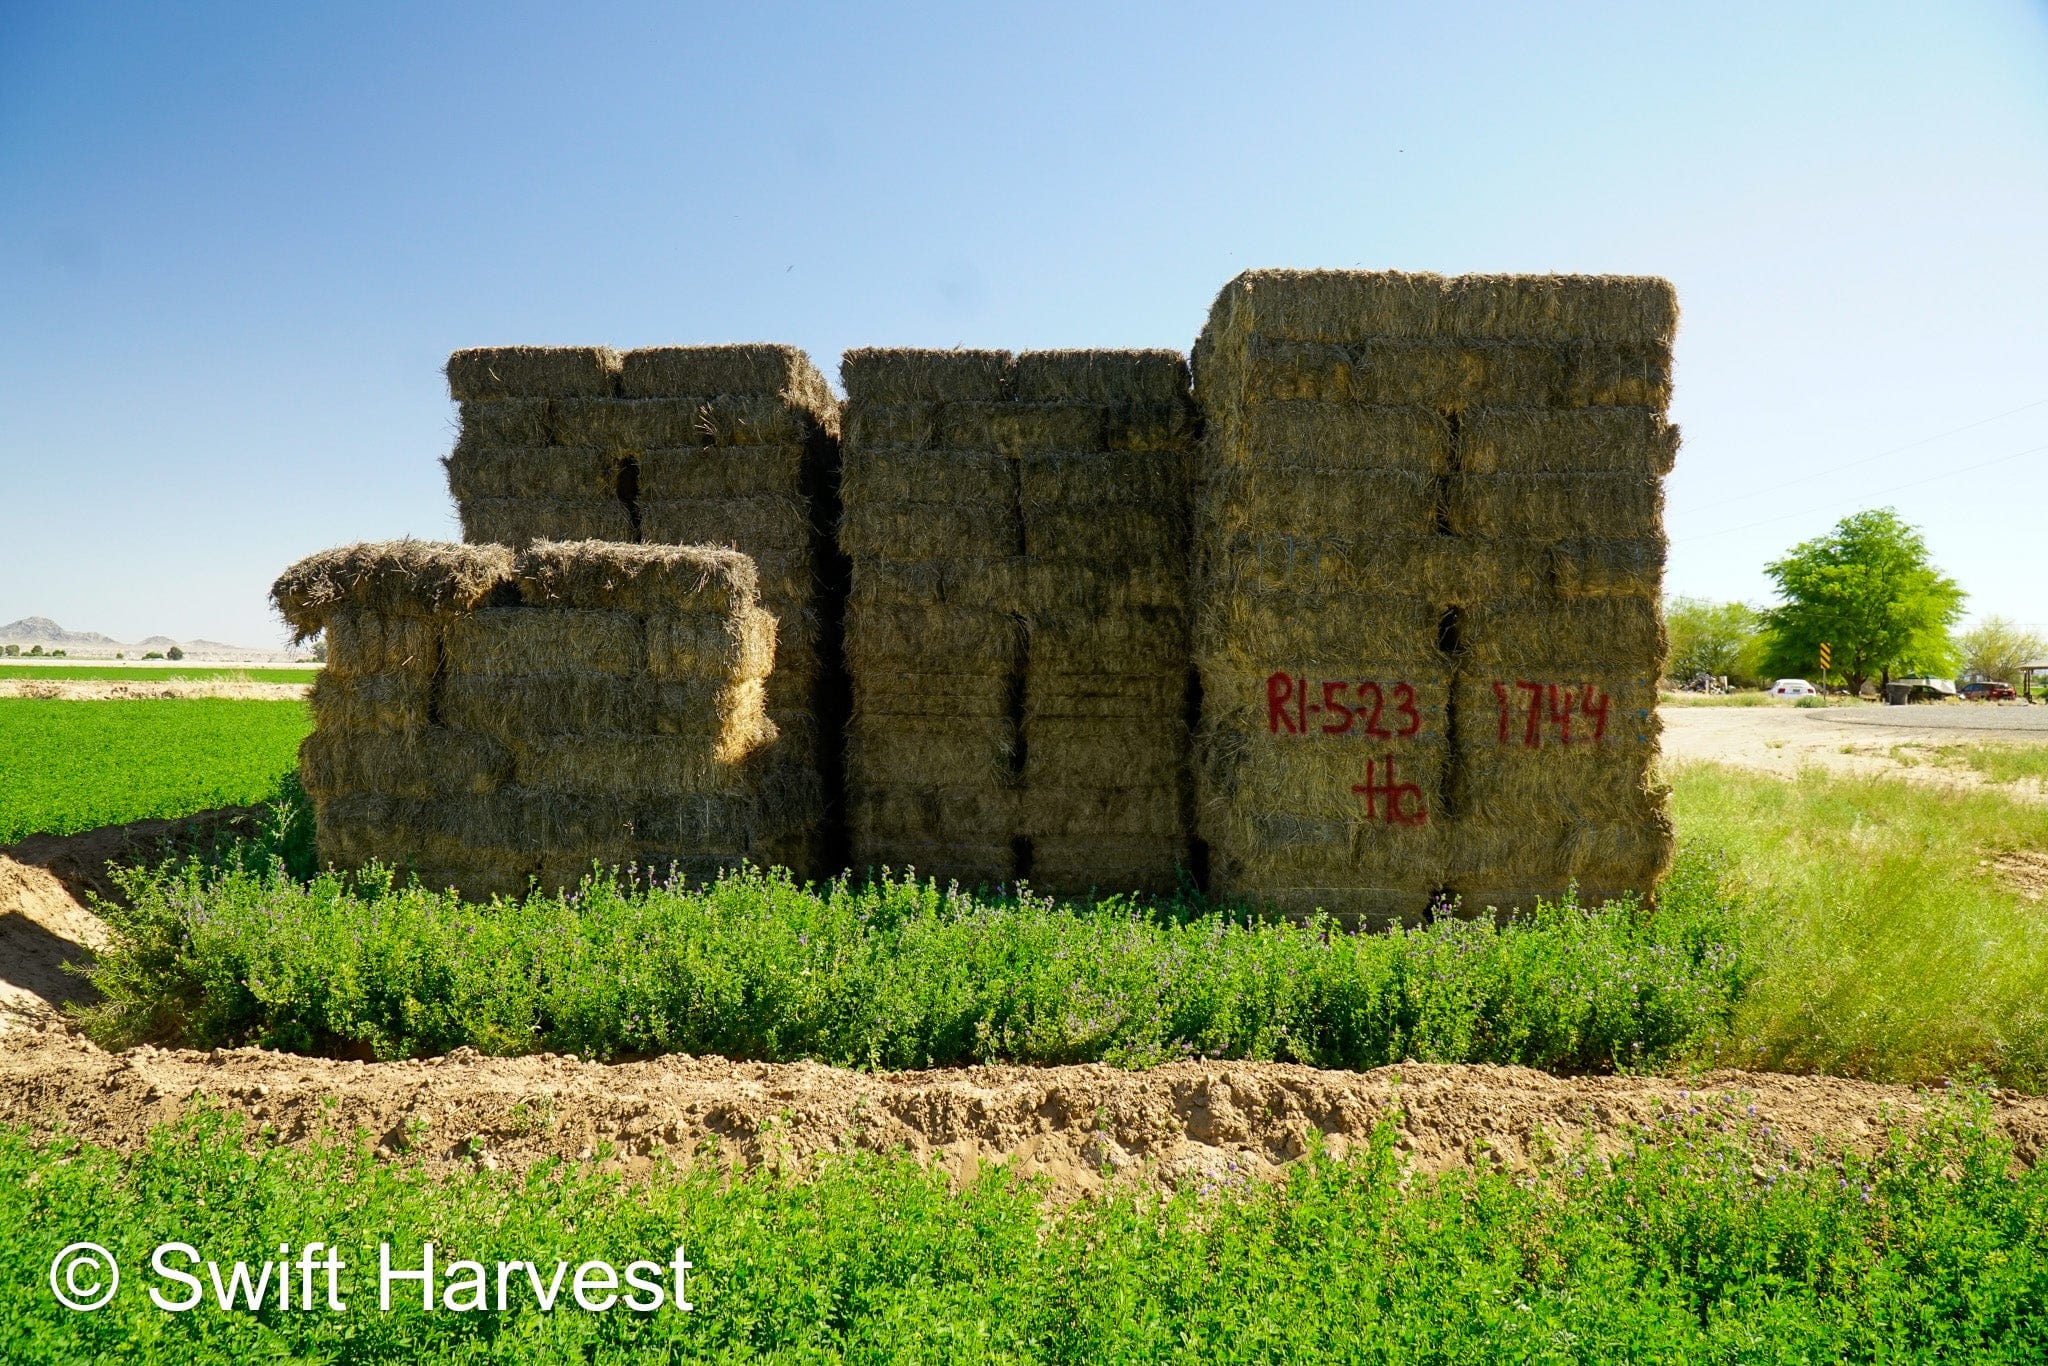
(898, 973)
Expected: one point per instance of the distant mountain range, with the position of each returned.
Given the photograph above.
(31, 631)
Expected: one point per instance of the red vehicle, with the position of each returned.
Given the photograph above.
(1987, 692)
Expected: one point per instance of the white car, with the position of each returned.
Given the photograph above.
(1794, 687)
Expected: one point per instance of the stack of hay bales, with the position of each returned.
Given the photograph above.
(1426, 507)
(934, 633)
(715, 445)
(1016, 631)
(489, 717)
(1103, 441)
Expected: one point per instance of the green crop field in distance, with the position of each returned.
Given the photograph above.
(70, 766)
(121, 673)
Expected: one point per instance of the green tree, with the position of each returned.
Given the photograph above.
(1995, 648)
(1710, 637)
(174, 653)
(1868, 590)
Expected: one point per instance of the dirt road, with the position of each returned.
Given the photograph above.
(1854, 740)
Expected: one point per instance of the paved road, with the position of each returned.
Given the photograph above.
(1982, 720)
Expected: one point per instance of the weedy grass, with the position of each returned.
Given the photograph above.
(898, 973)
(2000, 763)
(69, 766)
(1888, 946)
(122, 673)
(1732, 699)
(1702, 1241)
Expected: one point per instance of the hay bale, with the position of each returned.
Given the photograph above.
(498, 718)
(763, 368)
(764, 471)
(880, 374)
(520, 521)
(544, 472)
(1445, 484)
(526, 372)
(390, 579)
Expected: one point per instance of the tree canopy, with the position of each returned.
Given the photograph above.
(1995, 648)
(1713, 638)
(1868, 590)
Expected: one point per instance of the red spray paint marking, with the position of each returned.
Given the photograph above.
(1395, 795)
(1288, 708)
(1550, 710)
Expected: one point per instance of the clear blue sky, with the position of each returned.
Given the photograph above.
(236, 242)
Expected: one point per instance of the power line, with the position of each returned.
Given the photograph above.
(1865, 497)
(1865, 460)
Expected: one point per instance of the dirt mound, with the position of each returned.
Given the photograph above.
(42, 928)
(80, 861)
(1078, 1126)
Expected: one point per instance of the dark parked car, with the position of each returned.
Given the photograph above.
(1988, 692)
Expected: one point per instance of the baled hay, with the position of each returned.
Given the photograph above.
(1058, 586)
(932, 639)
(1080, 865)
(1104, 813)
(1048, 694)
(910, 375)
(873, 427)
(1382, 858)
(1142, 376)
(428, 764)
(364, 644)
(914, 476)
(598, 704)
(1311, 779)
(734, 648)
(1084, 752)
(646, 580)
(929, 531)
(1608, 568)
(1095, 479)
(723, 472)
(1630, 853)
(1460, 374)
(506, 422)
(962, 751)
(514, 641)
(1330, 441)
(1557, 637)
(997, 584)
(760, 525)
(896, 693)
(1501, 787)
(1150, 427)
(496, 372)
(944, 814)
(1343, 305)
(756, 368)
(1385, 503)
(392, 578)
(1273, 566)
(681, 423)
(636, 765)
(1566, 441)
(1331, 711)
(548, 472)
(1015, 429)
(1560, 506)
(1255, 633)
(516, 521)
(1137, 641)
(1131, 536)
(373, 702)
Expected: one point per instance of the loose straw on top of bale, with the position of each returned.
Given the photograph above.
(391, 578)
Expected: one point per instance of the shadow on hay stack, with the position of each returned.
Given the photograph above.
(697, 445)
(1016, 629)
(487, 717)
(1430, 553)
